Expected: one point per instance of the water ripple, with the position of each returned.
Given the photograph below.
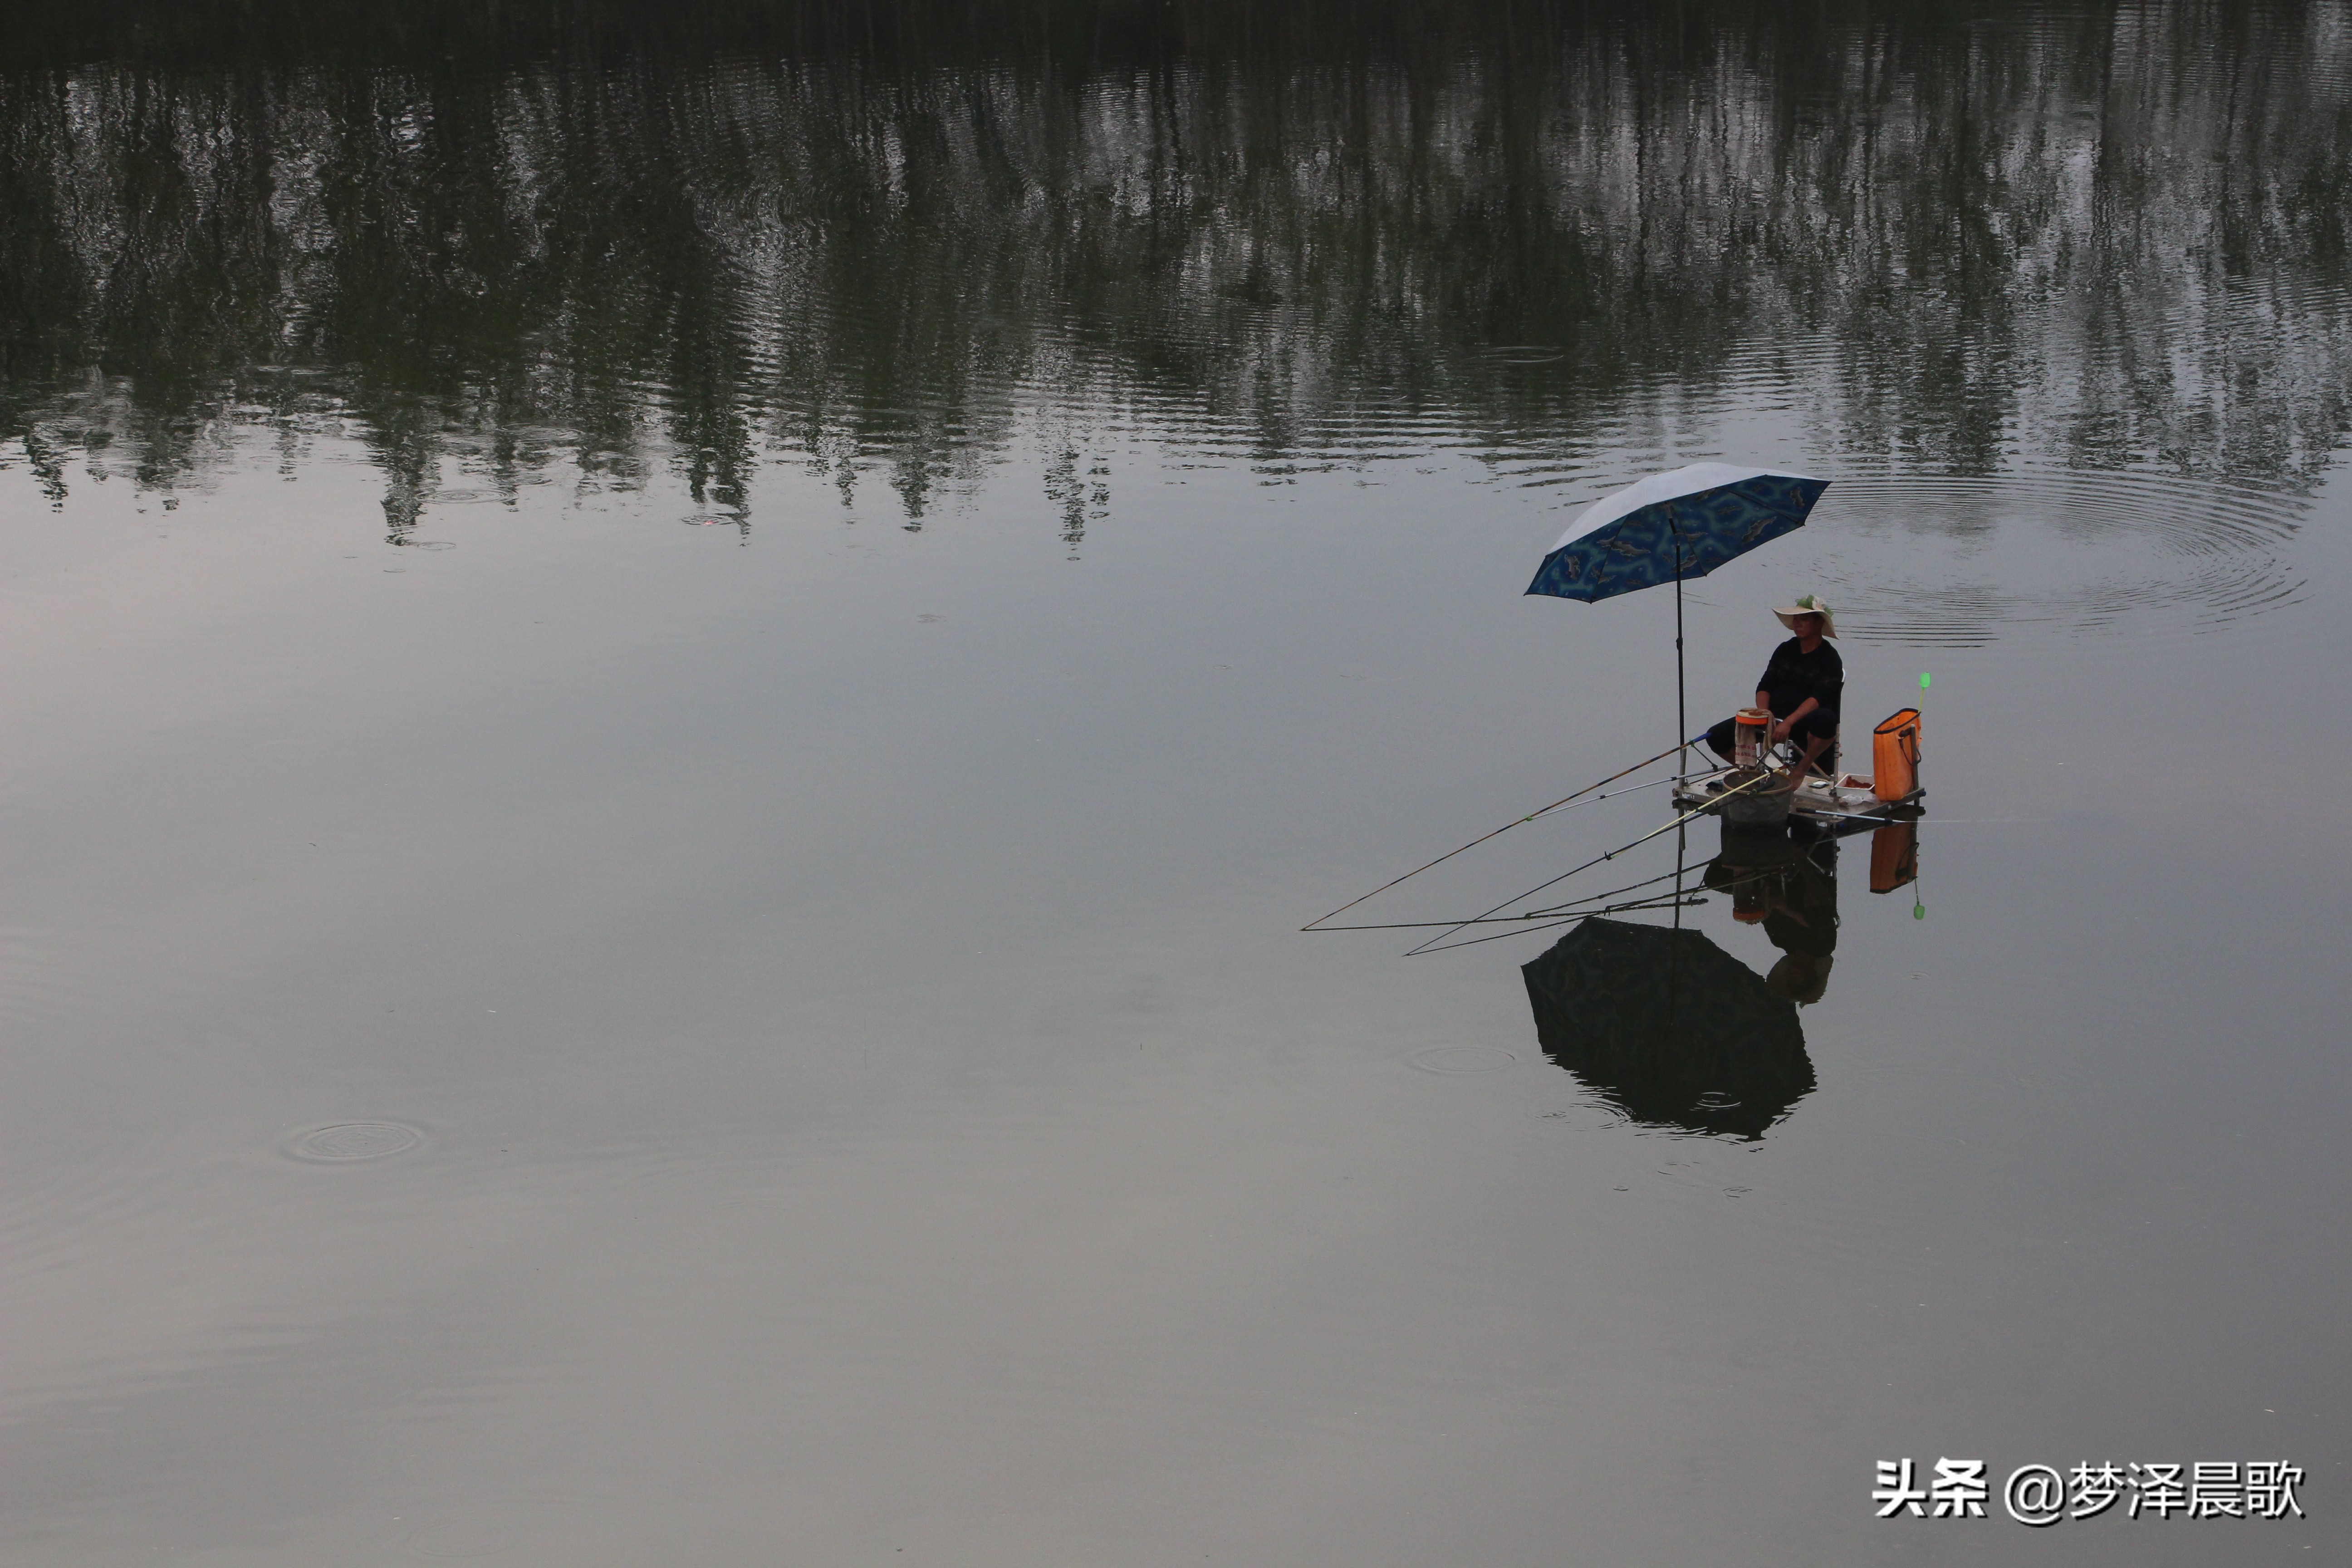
(2077, 552)
(347, 1142)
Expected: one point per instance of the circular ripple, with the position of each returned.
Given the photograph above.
(1462, 1059)
(2080, 552)
(349, 1141)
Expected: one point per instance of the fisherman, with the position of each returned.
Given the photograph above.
(1801, 687)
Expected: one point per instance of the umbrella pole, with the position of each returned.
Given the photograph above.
(1682, 711)
(1681, 843)
(1682, 715)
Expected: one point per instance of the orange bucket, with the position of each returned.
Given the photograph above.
(1894, 856)
(1749, 738)
(1894, 756)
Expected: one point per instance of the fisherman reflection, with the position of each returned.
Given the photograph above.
(1785, 880)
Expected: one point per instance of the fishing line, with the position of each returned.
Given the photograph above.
(1595, 898)
(1630, 789)
(1652, 903)
(1612, 909)
(1530, 816)
(1566, 912)
(1673, 901)
(1564, 876)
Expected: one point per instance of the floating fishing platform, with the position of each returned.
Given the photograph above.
(1819, 799)
(1751, 797)
(1756, 795)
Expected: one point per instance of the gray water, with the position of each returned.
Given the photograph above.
(673, 706)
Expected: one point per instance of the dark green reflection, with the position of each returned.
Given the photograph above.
(1785, 880)
(1677, 1033)
(1670, 1028)
(876, 240)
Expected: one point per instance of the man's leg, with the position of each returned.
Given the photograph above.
(1818, 740)
(1721, 740)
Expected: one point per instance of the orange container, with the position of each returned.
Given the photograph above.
(1894, 856)
(1894, 756)
(1748, 739)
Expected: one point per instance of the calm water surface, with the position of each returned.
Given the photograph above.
(675, 698)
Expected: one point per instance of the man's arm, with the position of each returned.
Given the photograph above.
(1797, 715)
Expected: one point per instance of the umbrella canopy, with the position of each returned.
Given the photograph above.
(1669, 1027)
(1672, 526)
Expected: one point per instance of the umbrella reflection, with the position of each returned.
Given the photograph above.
(1669, 1027)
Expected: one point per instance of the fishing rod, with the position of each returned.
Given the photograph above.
(1530, 816)
(1737, 879)
(1567, 911)
(1552, 917)
(1664, 901)
(1564, 876)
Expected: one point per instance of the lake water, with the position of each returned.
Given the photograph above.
(678, 684)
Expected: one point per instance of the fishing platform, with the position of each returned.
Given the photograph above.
(1747, 794)
(1849, 797)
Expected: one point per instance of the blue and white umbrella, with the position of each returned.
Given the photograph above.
(1670, 527)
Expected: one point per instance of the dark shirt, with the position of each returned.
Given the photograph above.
(1794, 675)
(1805, 918)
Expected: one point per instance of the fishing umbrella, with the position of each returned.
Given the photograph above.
(1669, 1027)
(1670, 527)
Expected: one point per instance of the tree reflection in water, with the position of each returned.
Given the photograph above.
(882, 244)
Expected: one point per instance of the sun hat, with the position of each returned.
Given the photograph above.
(1809, 604)
(1800, 978)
